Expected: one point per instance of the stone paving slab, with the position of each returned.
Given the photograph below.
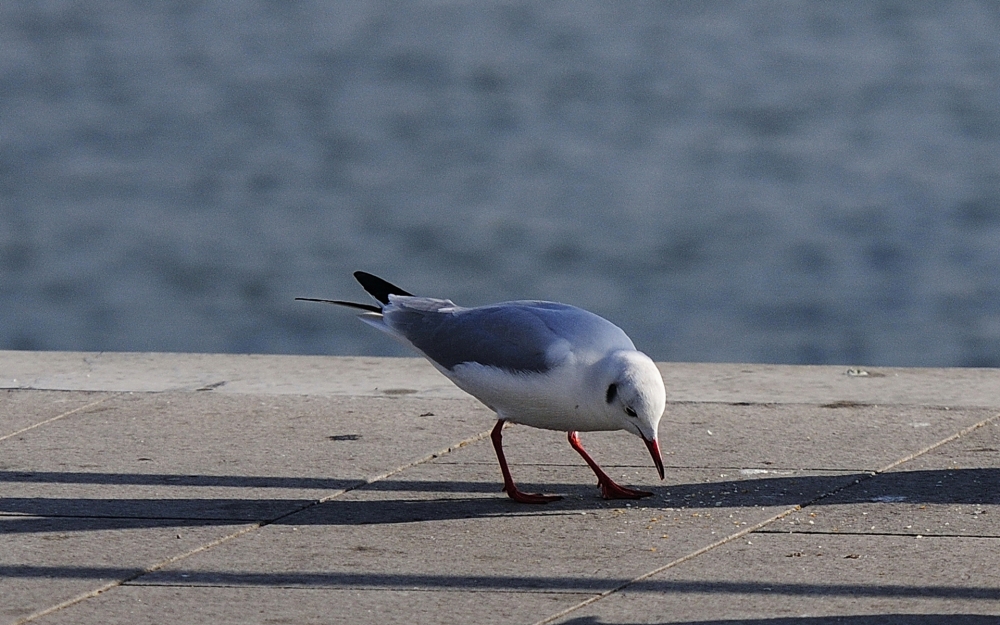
(805, 579)
(950, 491)
(20, 411)
(223, 373)
(367, 538)
(257, 500)
(828, 436)
(313, 444)
(153, 605)
(915, 544)
(45, 560)
(133, 467)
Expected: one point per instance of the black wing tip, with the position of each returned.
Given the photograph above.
(377, 287)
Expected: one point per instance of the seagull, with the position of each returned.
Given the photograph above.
(543, 364)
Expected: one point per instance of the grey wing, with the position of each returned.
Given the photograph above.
(515, 336)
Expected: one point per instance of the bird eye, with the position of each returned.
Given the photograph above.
(611, 394)
(630, 412)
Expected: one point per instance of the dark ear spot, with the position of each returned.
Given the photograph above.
(612, 393)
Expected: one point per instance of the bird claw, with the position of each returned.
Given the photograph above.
(520, 497)
(610, 490)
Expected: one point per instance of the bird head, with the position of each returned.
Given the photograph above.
(634, 397)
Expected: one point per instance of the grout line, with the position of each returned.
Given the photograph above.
(765, 523)
(929, 448)
(57, 417)
(892, 465)
(828, 404)
(900, 534)
(246, 530)
(694, 554)
(431, 456)
(118, 582)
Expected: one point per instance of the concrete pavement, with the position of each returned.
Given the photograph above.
(191, 488)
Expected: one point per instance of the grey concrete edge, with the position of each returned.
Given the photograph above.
(370, 376)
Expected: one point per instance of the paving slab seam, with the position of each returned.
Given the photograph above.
(669, 565)
(892, 465)
(945, 441)
(57, 417)
(246, 530)
(761, 525)
(933, 536)
(829, 405)
(363, 588)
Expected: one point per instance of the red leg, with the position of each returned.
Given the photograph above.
(609, 490)
(508, 482)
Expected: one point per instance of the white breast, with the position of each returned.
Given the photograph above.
(555, 400)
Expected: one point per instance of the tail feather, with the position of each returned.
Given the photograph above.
(377, 287)
(367, 307)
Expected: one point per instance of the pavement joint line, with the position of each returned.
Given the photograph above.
(901, 461)
(964, 431)
(892, 465)
(245, 530)
(669, 565)
(431, 456)
(761, 525)
(59, 416)
(899, 534)
(828, 405)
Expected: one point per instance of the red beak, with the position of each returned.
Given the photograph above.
(654, 451)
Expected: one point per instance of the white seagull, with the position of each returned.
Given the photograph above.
(543, 364)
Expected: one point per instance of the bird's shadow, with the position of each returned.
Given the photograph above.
(407, 501)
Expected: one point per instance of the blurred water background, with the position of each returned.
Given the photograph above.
(793, 182)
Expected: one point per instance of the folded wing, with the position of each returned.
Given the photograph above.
(522, 337)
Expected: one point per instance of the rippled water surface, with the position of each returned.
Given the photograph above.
(761, 181)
